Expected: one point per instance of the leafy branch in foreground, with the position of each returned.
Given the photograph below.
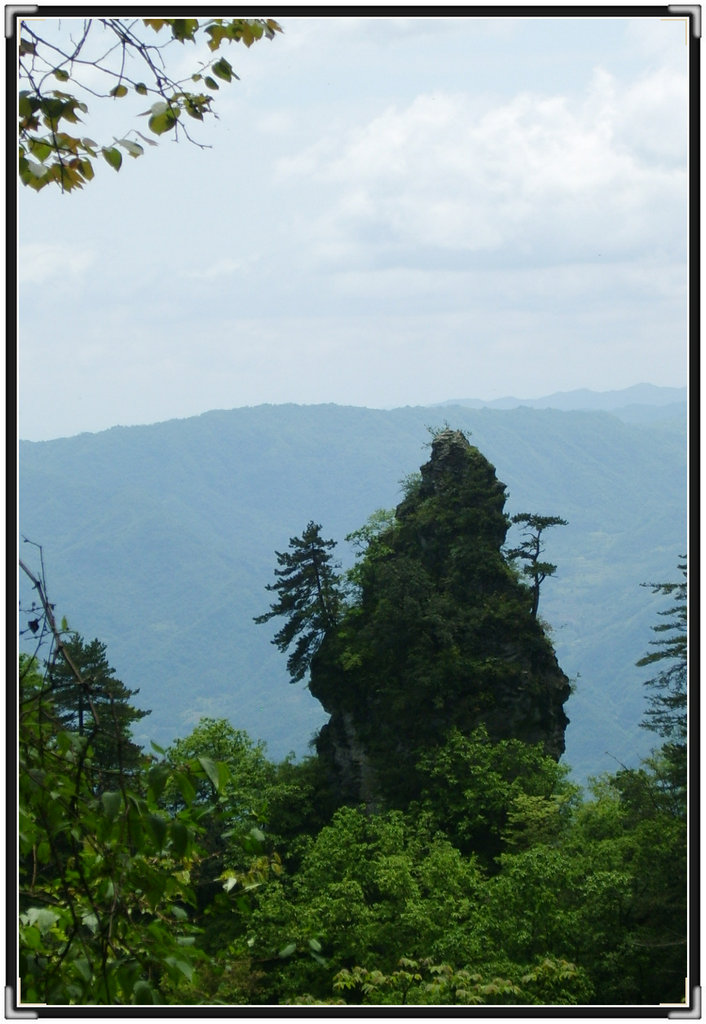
(115, 52)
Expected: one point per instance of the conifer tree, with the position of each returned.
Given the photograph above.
(532, 548)
(309, 597)
(109, 729)
(666, 714)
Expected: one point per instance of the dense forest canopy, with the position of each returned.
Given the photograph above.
(432, 851)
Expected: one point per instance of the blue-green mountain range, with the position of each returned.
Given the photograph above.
(160, 541)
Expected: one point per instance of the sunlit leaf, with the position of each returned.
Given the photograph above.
(184, 28)
(113, 156)
(163, 122)
(133, 148)
(222, 69)
(41, 150)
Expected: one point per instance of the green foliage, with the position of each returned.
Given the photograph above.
(531, 550)
(48, 152)
(438, 634)
(486, 795)
(666, 713)
(106, 901)
(96, 705)
(207, 875)
(309, 598)
(414, 982)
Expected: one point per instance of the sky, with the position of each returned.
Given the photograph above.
(392, 211)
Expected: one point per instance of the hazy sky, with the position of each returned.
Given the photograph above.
(394, 211)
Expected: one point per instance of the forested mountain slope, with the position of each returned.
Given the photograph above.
(160, 540)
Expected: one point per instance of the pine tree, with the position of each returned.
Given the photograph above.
(97, 707)
(666, 714)
(531, 549)
(667, 702)
(309, 598)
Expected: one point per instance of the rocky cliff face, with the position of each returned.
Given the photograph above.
(442, 637)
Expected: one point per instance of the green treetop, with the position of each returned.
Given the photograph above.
(96, 705)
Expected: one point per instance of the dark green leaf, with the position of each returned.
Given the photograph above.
(142, 994)
(180, 838)
(158, 828)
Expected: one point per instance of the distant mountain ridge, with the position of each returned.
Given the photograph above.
(627, 403)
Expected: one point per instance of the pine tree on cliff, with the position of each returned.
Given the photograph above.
(309, 598)
(442, 634)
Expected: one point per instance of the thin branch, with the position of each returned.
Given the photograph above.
(61, 646)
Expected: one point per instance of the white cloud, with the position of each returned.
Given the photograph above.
(39, 262)
(222, 268)
(533, 173)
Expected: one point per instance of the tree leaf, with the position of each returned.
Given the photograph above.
(119, 91)
(180, 838)
(158, 828)
(163, 122)
(143, 994)
(222, 69)
(113, 156)
(133, 148)
(112, 802)
(211, 770)
(150, 142)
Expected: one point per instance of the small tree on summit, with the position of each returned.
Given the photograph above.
(309, 596)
